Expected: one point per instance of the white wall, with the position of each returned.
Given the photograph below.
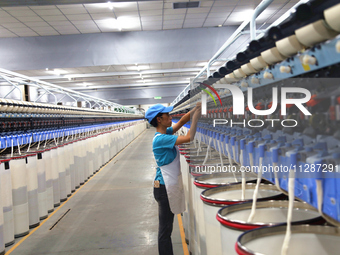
(35, 93)
(124, 48)
(15, 94)
(146, 106)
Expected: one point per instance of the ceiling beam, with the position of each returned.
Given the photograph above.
(103, 74)
(135, 94)
(164, 100)
(7, 3)
(153, 84)
(134, 88)
(111, 79)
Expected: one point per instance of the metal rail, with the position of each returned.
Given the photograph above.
(14, 79)
(259, 9)
(239, 32)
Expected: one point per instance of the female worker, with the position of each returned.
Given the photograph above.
(168, 186)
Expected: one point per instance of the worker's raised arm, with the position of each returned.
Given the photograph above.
(186, 118)
(191, 133)
(183, 139)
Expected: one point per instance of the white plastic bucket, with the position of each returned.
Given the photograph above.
(101, 150)
(7, 202)
(67, 157)
(113, 151)
(72, 165)
(62, 164)
(215, 198)
(91, 155)
(233, 219)
(106, 148)
(195, 171)
(84, 162)
(194, 246)
(96, 159)
(54, 165)
(77, 164)
(42, 196)
(32, 190)
(211, 181)
(19, 195)
(49, 182)
(80, 164)
(185, 178)
(2, 237)
(305, 239)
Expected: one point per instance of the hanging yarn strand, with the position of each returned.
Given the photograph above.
(275, 155)
(255, 194)
(199, 144)
(55, 141)
(4, 148)
(291, 197)
(319, 193)
(243, 176)
(29, 145)
(231, 162)
(234, 152)
(19, 146)
(11, 147)
(259, 177)
(220, 153)
(207, 154)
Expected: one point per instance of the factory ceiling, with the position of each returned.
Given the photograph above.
(127, 52)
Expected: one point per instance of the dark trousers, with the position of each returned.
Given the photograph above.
(166, 220)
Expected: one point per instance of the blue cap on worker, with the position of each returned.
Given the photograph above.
(155, 109)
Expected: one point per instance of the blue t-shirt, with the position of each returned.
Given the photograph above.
(163, 147)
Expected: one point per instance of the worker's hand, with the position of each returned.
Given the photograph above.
(197, 107)
(197, 113)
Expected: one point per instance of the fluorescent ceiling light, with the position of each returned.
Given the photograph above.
(57, 71)
(111, 23)
(201, 63)
(144, 67)
(217, 64)
(122, 5)
(265, 15)
(129, 22)
(101, 7)
(240, 16)
(84, 84)
(110, 5)
(70, 77)
(138, 68)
